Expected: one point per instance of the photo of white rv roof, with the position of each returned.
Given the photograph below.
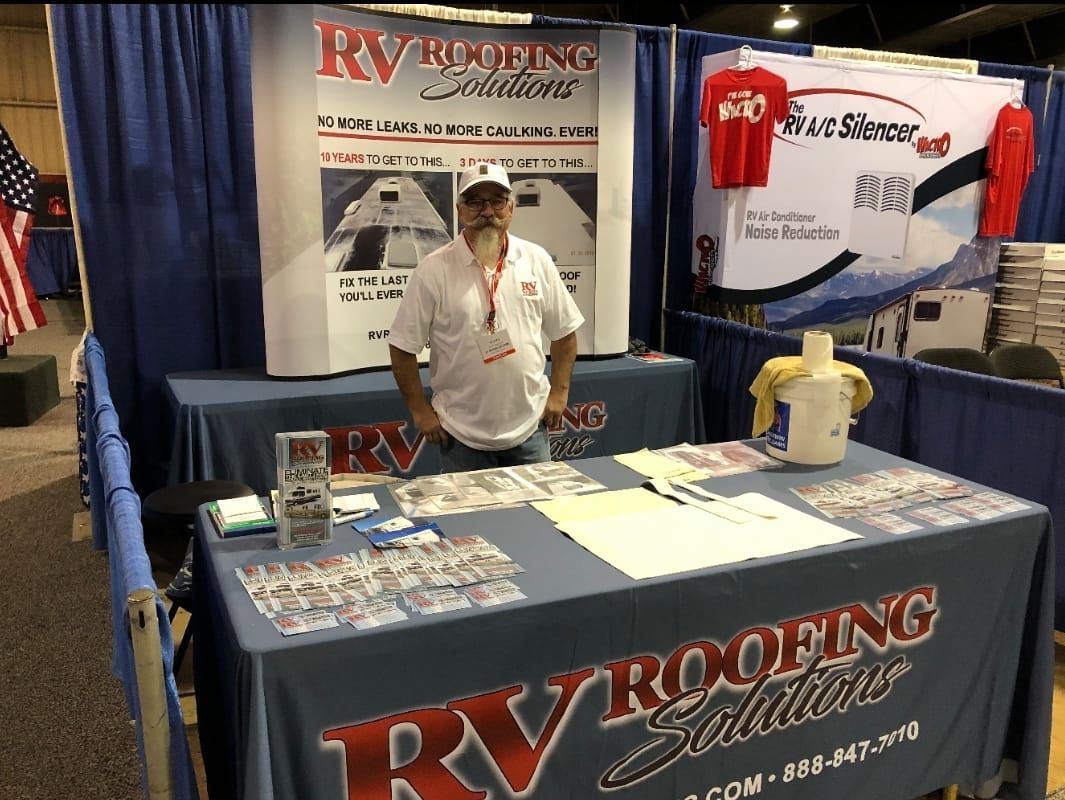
(557, 212)
(376, 220)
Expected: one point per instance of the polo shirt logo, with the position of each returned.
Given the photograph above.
(528, 288)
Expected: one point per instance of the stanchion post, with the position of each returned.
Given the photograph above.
(151, 692)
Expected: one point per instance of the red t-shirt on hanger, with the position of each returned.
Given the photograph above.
(740, 107)
(1010, 160)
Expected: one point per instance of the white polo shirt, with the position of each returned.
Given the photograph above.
(485, 406)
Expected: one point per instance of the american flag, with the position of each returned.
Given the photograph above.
(19, 309)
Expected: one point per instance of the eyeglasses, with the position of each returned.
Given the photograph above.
(478, 203)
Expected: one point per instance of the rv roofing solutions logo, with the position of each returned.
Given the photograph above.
(705, 694)
(525, 70)
(302, 452)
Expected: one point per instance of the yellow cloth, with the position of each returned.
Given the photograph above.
(780, 370)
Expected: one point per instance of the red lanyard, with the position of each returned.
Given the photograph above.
(490, 288)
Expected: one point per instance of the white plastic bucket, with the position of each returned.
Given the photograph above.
(811, 419)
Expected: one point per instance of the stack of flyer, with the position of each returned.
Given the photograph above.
(304, 501)
(239, 516)
(293, 586)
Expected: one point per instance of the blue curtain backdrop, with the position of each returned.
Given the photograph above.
(156, 104)
(650, 155)
(649, 187)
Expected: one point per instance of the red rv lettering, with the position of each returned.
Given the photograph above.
(503, 737)
(622, 685)
(341, 62)
(368, 757)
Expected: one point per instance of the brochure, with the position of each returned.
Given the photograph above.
(892, 523)
(721, 458)
(371, 614)
(285, 588)
(305, 622)
(304, 498)
(241, 525)
(406, 537)
(494, 593)
(456, 492)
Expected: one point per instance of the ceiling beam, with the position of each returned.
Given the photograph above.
(975, 22)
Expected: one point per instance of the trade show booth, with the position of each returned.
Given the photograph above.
(247, 241)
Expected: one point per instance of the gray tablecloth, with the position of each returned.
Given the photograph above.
(224, 421)
(878, 668)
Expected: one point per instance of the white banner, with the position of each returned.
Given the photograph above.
(363, 122)
(876, 170)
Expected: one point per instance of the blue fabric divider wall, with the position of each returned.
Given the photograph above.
(116, 525)
(52, 261)
(1002, 433)
(156, 106)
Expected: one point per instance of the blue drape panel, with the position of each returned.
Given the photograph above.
(730, 356)
(157, 109)
(1041, 217)
(1042, 213)
(116, 512)
(1006, 434)
(52, 261)
(649, 187)
(691, 47)
(881, 424)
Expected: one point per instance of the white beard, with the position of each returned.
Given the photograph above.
(487, 245)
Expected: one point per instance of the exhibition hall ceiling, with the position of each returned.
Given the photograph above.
(1010, 34)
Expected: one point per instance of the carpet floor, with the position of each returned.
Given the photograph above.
(66, 729)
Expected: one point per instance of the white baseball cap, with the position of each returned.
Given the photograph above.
(483, 173)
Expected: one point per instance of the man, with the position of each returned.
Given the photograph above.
(482, 302)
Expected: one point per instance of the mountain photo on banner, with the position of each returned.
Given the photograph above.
(942, 250)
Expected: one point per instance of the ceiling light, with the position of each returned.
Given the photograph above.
(786, 21)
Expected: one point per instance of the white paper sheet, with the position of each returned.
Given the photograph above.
(655, 465)
(666, 541)
(601, 505)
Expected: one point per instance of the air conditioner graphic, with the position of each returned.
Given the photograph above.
(880, 219)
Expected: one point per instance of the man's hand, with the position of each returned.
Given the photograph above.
(405, 370)
(429, 424)
(556, 404)
(563, 354)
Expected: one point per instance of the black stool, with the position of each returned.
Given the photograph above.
(169, 519)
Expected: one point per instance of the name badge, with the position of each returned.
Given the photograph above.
(494, 345)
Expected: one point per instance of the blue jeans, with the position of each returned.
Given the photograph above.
(457, 457)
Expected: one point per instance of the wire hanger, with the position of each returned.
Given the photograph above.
(1016, 96)
(746, 60)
